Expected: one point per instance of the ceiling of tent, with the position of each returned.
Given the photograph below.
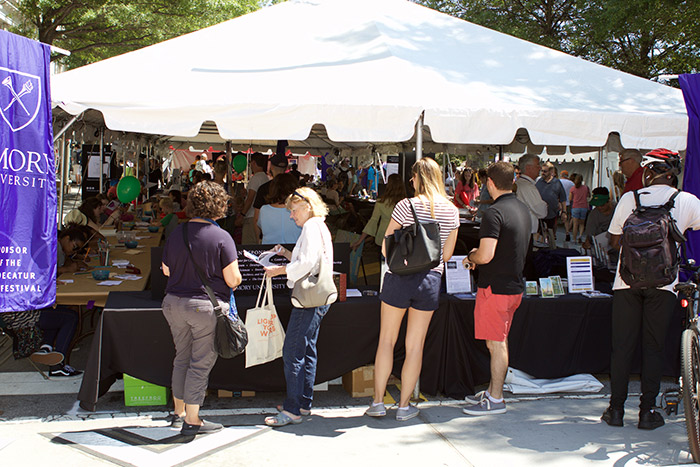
(355, 74)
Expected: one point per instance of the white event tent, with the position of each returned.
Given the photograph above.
(367, 70)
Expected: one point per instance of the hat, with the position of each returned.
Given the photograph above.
(564, 173)
(75, 217)
(279, 159)
(601, 195)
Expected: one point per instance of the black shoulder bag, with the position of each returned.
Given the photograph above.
(414, 248)
(230, 335)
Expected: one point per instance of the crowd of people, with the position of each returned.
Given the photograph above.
(514, 203)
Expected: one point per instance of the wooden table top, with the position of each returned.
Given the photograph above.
(84, 288)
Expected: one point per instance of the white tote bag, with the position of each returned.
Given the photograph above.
(265, 332)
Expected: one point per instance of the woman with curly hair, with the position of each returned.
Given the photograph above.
(187, 307)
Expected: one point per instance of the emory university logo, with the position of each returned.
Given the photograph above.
(20, 98)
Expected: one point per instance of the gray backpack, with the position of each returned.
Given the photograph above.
(650, 246)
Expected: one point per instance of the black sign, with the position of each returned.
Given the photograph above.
(252, 272)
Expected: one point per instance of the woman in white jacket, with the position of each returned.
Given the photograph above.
(299, 354)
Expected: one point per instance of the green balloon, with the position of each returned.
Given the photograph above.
(128, 189)
(239, 163)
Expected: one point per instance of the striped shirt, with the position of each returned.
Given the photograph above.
(446, 215)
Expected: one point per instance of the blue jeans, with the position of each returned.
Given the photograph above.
(299, 356)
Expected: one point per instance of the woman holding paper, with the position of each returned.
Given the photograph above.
(299, 354)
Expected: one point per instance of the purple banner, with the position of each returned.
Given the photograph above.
(690, 84)
(27, 177)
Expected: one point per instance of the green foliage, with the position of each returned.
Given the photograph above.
(643, 37)
(97, 29)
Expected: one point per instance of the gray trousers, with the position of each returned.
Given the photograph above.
(192, 324)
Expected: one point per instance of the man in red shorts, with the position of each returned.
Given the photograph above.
(504, 237)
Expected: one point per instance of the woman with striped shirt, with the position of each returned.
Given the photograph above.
(418, 293)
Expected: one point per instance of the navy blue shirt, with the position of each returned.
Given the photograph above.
(552, 193)
(508, 221)
(212, 248)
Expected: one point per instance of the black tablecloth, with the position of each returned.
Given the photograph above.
(549, 338)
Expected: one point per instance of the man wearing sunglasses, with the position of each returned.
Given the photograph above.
(630, 163)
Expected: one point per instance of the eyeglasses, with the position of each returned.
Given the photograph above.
(623, 160)
(296, 193)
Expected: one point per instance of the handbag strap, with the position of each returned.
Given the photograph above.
(267, 297)
(207, 287)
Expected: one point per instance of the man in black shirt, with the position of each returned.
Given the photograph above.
(504, 238)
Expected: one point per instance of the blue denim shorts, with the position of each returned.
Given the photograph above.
(420, 291)
(579, 213)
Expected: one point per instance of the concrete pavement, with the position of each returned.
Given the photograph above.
(546, 430)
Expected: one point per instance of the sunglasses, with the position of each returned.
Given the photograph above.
(624, 160)
(296, 193)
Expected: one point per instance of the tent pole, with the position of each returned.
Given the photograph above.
(229, 172)
(63, 180)
(102, 158)
(65, 128)
(419, 138)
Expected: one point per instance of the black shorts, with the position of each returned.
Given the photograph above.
(420, 291)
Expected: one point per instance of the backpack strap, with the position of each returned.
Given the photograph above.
(637, 201)
(671, 201)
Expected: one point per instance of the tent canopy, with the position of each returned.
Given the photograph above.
(366, 70)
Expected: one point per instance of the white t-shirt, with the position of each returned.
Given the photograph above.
(255, 182)
(567, 184)
(686, 212)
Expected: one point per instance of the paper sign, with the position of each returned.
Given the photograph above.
(579, 272)
(457, 276)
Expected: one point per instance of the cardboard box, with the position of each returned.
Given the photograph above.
(360, 381)
(139, 393)
(223, 393)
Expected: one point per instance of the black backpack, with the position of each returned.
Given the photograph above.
(650, 246)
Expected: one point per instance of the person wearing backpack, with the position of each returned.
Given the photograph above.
(647, 225)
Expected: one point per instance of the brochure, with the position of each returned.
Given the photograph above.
(263, 259)
(557, 286)
(546, 287)
(531, 288)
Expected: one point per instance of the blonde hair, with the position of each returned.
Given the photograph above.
(428, 181)
(167, 203)
(317, 207)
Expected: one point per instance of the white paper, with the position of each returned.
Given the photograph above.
(458, 277)
(109, 283)
(66, 281)
(579, 272)
(263, 260)
(128, 277)
(93, 167)
(352, 293)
